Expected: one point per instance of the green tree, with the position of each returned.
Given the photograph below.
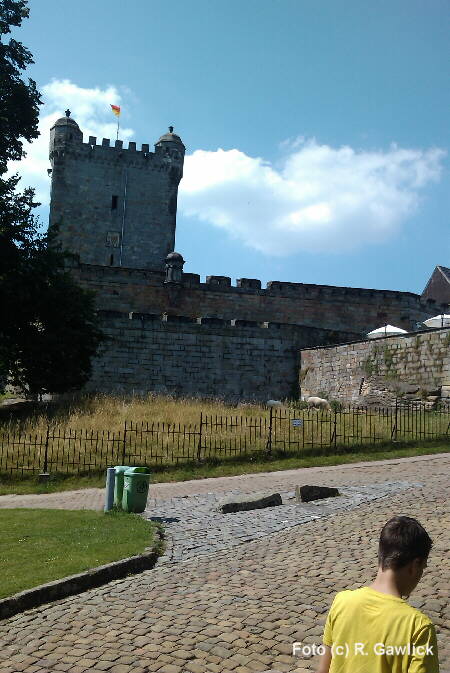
(48, 330)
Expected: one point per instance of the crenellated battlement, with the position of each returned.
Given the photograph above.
(214, 323)
(115, 153)
(274, 288)
(331, 307)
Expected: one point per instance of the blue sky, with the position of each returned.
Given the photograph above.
(316, 131)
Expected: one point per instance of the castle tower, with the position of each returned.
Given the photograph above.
(114, 206)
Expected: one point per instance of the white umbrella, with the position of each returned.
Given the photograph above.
(386, 330)
(442, 320)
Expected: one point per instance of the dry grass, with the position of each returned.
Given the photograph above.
(109, 412)
(87, 434)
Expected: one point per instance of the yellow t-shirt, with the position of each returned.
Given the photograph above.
(372, 632)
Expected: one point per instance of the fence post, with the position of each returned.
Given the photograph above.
(335, 429)
(269, 438)
(124, 443)
(199, 445)
(394, 429)
(45, 470)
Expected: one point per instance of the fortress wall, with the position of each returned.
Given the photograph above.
(349, 309)
(216, 359)
(378, 370)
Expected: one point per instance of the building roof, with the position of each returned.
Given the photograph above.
(66, 121)
(438, 286)
(170, 137)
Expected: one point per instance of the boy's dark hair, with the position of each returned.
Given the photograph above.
(402, 540)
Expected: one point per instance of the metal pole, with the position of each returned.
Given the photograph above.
(44, 475)
(394, 429)
(109, 491)
(124, 444)
(269, 438)
(199, 446)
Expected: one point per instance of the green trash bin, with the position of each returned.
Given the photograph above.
(135, 489)
(118, 485)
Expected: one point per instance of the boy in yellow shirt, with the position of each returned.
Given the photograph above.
(372, 629)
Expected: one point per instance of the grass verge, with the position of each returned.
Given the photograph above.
(42, 545)
(244, 464)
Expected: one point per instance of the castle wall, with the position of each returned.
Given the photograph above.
(100, 192)
(144, 353)
(337, 308)
(379, 370)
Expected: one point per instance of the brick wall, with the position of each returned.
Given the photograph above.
(243, 361)
(378, 370)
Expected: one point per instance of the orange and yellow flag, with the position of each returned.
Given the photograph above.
(115, 109)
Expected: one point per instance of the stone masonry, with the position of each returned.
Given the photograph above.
(115, 210)
(381, 369)
(114, 206)
(347, 309)
(209, 358)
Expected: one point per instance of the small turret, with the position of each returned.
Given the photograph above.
(64, 130)
(174, 267)
(170, 144)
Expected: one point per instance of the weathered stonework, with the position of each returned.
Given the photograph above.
(178, 356)
(114, 206)
(115, 209)
(355, 310)
(415, 366)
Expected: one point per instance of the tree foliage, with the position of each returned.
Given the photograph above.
(48, 331)
(19, 101)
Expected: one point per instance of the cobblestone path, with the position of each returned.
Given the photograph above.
(240, 609)
(194, 527)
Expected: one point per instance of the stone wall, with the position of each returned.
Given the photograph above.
(214, 358)
(377, 371)
(355, 310)
(114, 206)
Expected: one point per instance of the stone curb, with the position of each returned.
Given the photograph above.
(76, 584)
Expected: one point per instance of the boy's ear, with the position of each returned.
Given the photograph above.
(417, 565)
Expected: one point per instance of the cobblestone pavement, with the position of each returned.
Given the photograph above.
(239, 610)
(93, 498)
(194, 527)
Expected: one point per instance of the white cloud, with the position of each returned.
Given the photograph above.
(91, 110)
(322, 198)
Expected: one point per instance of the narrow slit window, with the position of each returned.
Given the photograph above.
(111, 260)
(114, 202)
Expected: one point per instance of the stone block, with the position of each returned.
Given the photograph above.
(309, 493)
(248, 502)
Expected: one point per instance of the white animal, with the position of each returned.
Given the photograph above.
(274, 403)
(318, 403)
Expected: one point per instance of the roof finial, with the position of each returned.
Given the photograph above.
(170, 129)
(67, 113)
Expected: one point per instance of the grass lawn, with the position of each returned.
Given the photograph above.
(42, 545)
(228, 467)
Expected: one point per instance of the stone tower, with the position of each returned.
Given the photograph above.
(114, 206)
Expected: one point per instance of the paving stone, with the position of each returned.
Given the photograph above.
(215, 603)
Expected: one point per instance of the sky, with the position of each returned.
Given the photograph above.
(317, 131)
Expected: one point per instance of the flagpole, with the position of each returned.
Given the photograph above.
(117, 134)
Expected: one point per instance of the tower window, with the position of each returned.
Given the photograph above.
(114, 202)
(112, 239)
(111, 260)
